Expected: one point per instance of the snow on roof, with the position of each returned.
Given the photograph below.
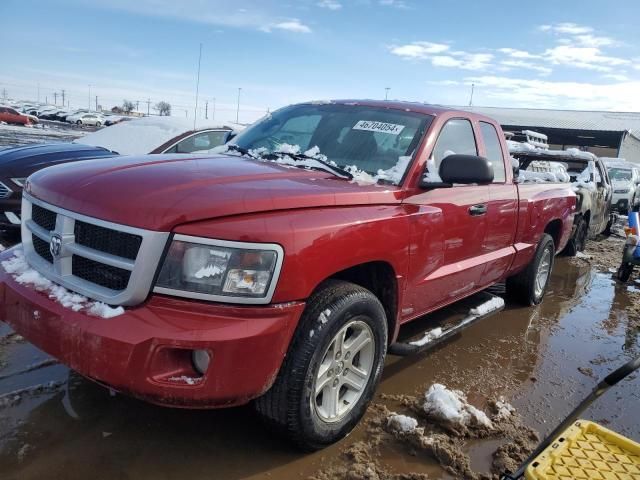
(564, 119)
(142, 135)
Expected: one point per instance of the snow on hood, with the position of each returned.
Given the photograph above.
(143, 135)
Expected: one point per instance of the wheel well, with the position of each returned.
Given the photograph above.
(587, 216)
(554, 228)
(380, 279)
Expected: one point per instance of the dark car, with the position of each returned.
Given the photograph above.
(17, 163)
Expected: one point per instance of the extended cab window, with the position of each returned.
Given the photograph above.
(362, 139)
(493, 150)
(456, 137)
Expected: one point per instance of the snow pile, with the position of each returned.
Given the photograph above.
(428, 337)
(401, 423)
(393, 174)
(324, 316)
(451, 407)
(185, 379)
(515, 147)
(431, 175)
(22, 273)
(143, 135)
(489, 306)
(503, 410)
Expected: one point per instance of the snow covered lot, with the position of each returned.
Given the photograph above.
(44, 132)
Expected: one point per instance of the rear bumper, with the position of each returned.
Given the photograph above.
(146, 352)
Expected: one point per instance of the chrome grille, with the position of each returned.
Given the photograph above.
(105, 261)
(5, 192)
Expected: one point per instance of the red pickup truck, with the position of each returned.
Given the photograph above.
(281, 269)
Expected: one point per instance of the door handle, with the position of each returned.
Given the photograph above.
(479, 209)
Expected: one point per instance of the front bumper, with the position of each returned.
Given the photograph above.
(146, 352)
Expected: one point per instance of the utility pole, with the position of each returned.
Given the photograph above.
(4, 94)
(206, 110)
(46, 99)
(386, 92)
(148, 105)
(238, 108)
(186, 113)
(471, 98)
(96, 103)
(63, 97)
(213, 113)
(38, 92)
(195, 116)
(55, 98)
(137, 105)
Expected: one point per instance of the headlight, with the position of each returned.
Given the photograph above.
(220, 270)
(621, 190)
(19, 181)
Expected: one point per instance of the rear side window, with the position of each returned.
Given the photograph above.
(494, 150)
(456, 137)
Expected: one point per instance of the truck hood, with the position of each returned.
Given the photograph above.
(159, 192)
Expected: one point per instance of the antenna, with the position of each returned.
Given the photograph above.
(471, 98)
(195, 113)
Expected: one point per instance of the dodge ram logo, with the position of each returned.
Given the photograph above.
(55, 245)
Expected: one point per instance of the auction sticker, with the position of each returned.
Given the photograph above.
(390, 128)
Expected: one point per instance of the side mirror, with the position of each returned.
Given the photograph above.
(466, 169)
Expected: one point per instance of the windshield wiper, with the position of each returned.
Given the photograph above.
(323, 164)
(240, 150)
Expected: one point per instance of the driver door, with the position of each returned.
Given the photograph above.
(448, 230)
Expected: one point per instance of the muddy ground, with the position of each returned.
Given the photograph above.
(543, 360)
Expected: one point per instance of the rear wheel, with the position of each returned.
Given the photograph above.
(624, 271)
(332, 367)
(578, 240)
(529, 286)
(98, 124)
(79, 122)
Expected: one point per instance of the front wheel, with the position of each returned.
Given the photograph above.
(332, 368)
(98, 124)
(529, 286)
(79, 122)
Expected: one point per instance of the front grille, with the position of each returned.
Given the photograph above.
(43, 217)
(5, 192)
(105, 261)
(42, 248)
(117, 243)
(99, 273)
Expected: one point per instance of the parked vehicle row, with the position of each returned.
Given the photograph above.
(11, 116)
(280, 269)
(63, 114)
(141, 136)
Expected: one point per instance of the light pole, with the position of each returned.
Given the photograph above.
(213, 110)
(238, 108)
(195, 111)
(386, 92)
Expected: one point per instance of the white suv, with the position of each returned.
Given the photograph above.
(625, 180)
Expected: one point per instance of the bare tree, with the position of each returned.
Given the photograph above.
(163, 108)
(127, 106)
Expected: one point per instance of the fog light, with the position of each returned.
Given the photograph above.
(201, 359)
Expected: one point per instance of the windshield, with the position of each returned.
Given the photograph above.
(372, 142)
(620, 174)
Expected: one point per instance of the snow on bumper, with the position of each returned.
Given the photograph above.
(146, 351)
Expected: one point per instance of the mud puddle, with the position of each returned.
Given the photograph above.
(543, 360)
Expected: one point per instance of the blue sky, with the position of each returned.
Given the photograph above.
(560, 54)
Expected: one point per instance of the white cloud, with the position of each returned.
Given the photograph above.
(418, 50)
(393, 3)
(566, 28)
(330, 4)
(515, 53)
(589, 58)
(440, 55)
(619, 77)
(294, 25)
(515, 63)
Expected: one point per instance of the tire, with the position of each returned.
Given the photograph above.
(98, 124)
(79, 122)
(624, 271)
(291, 407)
(578, 239)
(523, 287)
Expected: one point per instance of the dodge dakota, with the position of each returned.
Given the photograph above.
(279, 269)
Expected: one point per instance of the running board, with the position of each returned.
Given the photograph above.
(490, 305)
